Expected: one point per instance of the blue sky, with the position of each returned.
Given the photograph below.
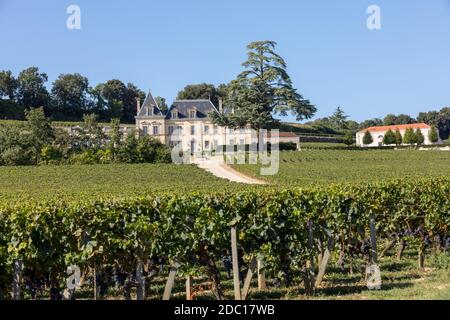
(332, 57)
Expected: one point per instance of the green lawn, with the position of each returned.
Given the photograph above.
(309, 167)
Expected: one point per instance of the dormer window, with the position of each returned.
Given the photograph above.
(149, 111)
(174, 114)
(192, 113)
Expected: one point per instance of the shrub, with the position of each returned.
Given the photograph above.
(419, 137)
(367, 139)
(409, 137)
(348, 138)
(433, 135)
(389, 138)
(398, 138)
(51, 155)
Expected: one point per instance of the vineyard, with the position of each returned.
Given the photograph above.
(128, 244)
(312, 167)
(85, 182)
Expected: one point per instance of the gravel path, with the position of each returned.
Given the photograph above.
(218, 168)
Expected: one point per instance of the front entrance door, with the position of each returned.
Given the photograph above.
(193, 147)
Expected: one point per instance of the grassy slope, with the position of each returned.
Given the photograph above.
(324, 166)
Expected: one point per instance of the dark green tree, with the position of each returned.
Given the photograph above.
(419, 137)
(115, 100)
(431, 118)
(262, 90)
(390, 120)
(370, 123)
(398, 138)
(8, 85)
(367, 138)
(31, 90)
(40, 131)
(339, 119)
(202, 91)
(409, 137)
(348, 138)
(433, 135)
(352, 125)
(405, 119)
(162, 104)
(389, 138)
(129, 103)
(115, 139)
(70, 97)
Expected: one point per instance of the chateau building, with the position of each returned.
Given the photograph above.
(188, 122)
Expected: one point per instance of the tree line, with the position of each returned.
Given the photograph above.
(36, 141)
(410, 137)
(339, 121)
(69, 98)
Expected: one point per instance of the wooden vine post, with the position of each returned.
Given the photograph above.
(325, 257)
(261, 274)
(140, 279)
(189, 292)
(373, 240)
(170, 281)
(17, 279)
(234, 256)
(373, 273)
(309, 270)
(248, 280)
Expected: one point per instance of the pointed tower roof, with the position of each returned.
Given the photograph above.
(151, 105)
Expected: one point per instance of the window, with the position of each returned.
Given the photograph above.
(170, 130)
(174, 114)
(192, 130)
(230, 131)
(216, 143)
(149, 111)
(206, 129)
(216, 130)
(231, 142)
(145, 130)
(155, 130)
(192, 113)
(179, 130)
(242, 142)
(207, 145)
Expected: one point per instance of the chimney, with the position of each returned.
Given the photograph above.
(220, 105)
(138, 104)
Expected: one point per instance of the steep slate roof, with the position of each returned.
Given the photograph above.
(203, 107)
(150, 102)
(399, 127)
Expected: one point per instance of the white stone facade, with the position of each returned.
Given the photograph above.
(188, 122)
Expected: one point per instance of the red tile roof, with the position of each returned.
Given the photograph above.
(398, 127)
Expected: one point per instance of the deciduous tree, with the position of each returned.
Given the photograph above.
(31, 90)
